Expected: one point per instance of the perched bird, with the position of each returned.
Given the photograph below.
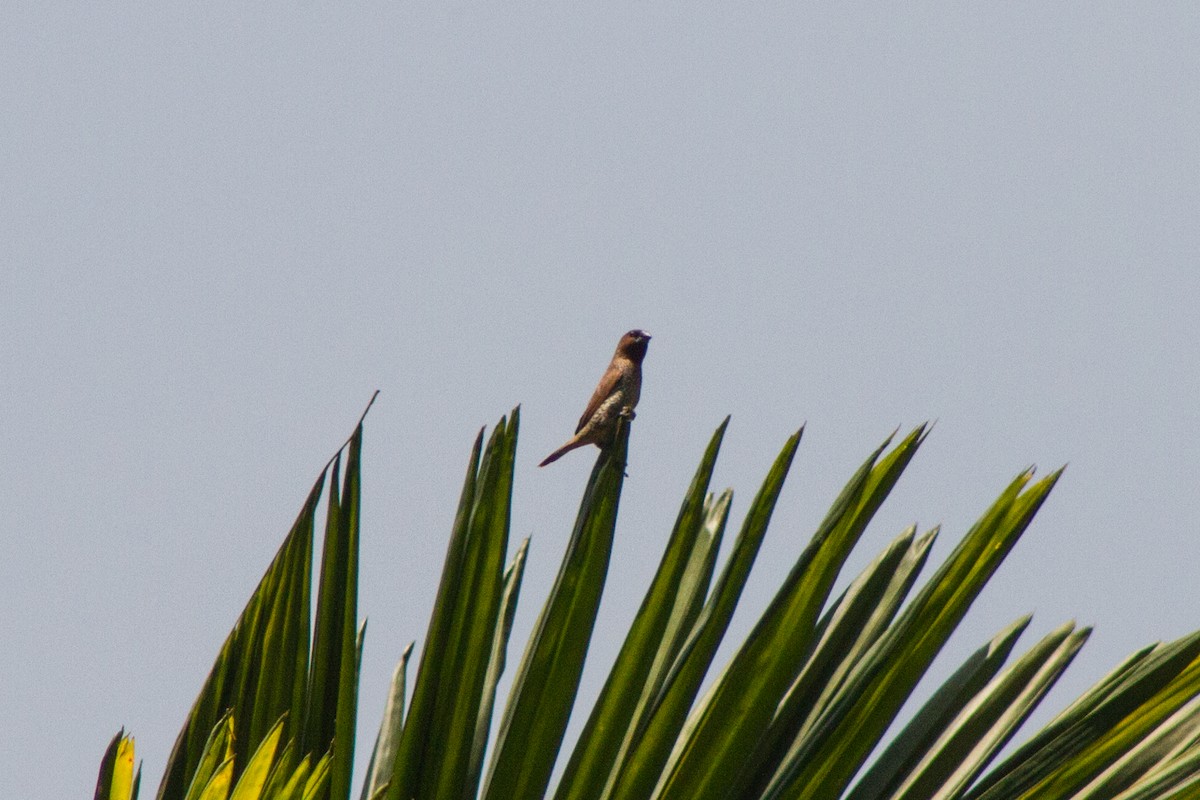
(613, 399)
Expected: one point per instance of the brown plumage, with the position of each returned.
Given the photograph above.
(614, 398)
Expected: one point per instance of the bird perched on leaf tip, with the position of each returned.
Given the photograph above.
(614, 399)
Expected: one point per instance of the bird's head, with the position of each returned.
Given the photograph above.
(633, 345)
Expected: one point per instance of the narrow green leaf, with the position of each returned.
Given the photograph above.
(415, 738)
(218, 786)
(281, 769)
(318, 780)
(612, 717)
(463, 672)
(293, 786)
(272, 692)
(217, 750)
(345, 685)
(254, 777)
(320, 714)
(693, 587)
(544, 689)
(296, 636)
(496, 664)
(107, 766)
(1166, 765)
(388, 739)
(117, 779)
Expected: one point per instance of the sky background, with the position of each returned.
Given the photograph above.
(222, 227)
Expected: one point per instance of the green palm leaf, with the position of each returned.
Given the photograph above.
(823, 762)
(437, 755)
(593, 763)
(265, 671)
(544, 688)
(666, 716)
(798, 711)
(118, 780)
(387, 741)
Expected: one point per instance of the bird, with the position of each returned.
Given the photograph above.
(614, 399)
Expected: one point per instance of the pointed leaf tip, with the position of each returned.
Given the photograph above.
(923, 430)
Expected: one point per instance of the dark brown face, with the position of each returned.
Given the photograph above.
(633, 345)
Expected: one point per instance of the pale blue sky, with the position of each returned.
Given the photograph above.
(222, 227)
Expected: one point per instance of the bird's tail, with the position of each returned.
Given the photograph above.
(560, 452)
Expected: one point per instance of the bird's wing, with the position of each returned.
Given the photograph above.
(607, 385)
